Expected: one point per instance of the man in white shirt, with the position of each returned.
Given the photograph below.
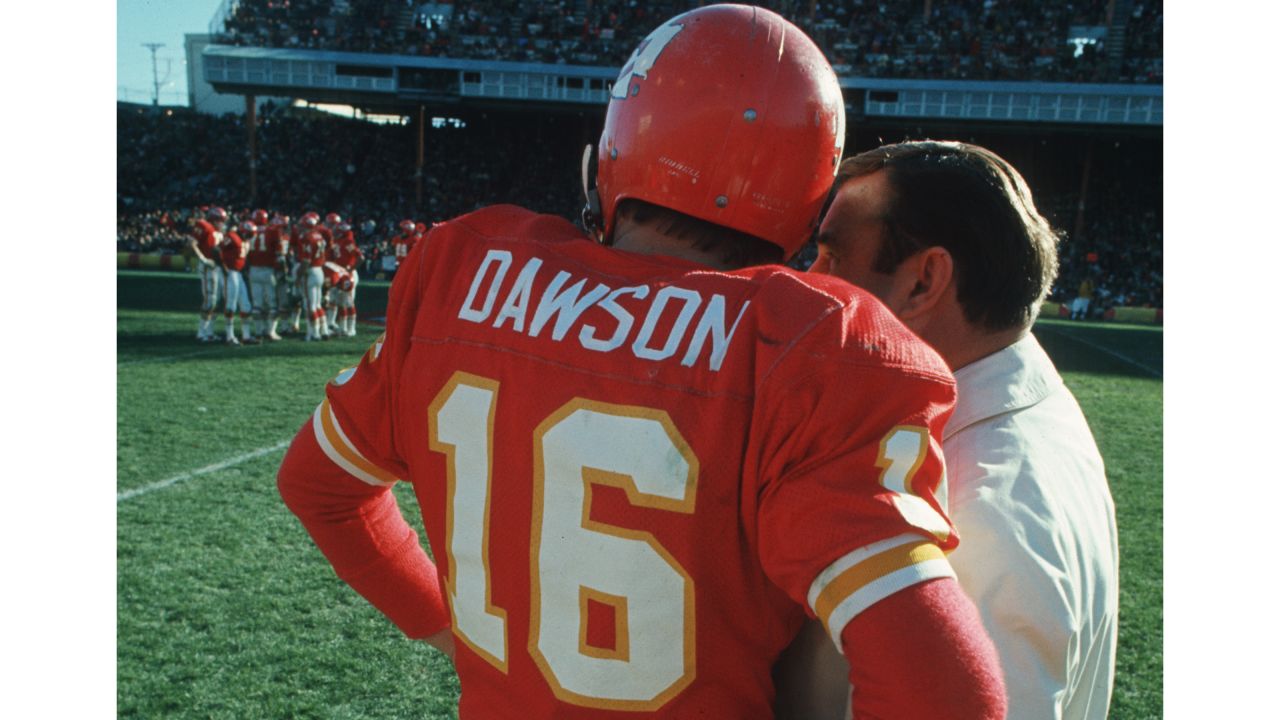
(946, 234)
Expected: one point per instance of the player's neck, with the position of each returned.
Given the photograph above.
(644, 240)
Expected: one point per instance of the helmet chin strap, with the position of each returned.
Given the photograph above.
(592, 217)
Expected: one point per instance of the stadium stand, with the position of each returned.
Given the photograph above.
(173, 161)
(1054, 40)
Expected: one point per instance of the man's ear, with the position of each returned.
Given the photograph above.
(930, 273)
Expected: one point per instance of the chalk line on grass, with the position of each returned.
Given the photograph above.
(230, 462)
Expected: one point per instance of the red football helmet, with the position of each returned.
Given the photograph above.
(730, 114)
(260, 218)
(310, 219)
(342, 229)
(420, 229)
(407, 226)
(332, 219)
(217, 214)
(248, 229)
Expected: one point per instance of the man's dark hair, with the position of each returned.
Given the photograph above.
(736, 249)
(969, 201)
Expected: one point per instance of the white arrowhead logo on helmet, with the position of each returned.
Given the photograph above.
(644, 57)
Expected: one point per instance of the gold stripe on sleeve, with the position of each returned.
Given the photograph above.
(870, 570)
(344, 448)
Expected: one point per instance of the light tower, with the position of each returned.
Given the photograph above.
(155, 76)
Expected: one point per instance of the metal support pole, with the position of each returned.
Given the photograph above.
(422, 141)
(251, 122)
(1078, 234)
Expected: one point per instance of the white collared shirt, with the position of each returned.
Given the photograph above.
(1038, 551)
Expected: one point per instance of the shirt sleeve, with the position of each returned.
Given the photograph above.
(355, 424)
(337, 476)
(1021, 596)
(851, 474)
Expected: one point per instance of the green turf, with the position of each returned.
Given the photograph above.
(226, 610)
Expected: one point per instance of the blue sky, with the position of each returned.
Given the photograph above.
(146, 21)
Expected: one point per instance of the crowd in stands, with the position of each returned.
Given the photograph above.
(943, 39)
(170, 163)
(1120, 244)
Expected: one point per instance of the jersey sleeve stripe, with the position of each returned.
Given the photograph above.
(865, 576)
(340, 450)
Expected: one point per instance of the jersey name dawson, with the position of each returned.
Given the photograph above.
(701, 328)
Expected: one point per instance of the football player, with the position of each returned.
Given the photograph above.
(339, 295)
(278, 235)
(401, 244)
(298, 268)
(234, 249)
(643, 462)
(311, 255)
(267, 256)
(205, 238)
(348, 255)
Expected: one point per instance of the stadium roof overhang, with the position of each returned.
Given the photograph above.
(400, 82)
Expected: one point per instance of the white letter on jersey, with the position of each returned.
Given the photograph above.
(625, 320)
(518, 299)
(691, 302)
(566, 305)
(712, 324)
(468, 312)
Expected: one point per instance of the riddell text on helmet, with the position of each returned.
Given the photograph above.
(701, 327)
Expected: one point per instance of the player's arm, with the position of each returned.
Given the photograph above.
(853, 527)
(359, 528)
(922, 653)
(337, 476)
(193, 245)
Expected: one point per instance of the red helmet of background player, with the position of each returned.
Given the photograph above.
(343, 228)
(407, 226)
(310, 219)
(260, 218)
(730, 114)
(332, 219)
(419, 229)
(248, 229)
(278, 220)
(217, 214)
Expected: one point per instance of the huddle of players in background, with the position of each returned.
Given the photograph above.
(304, 269)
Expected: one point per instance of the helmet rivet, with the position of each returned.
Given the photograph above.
(722, 201)
(749, 115)
(613, 154)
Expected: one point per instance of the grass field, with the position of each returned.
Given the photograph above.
(226, 609)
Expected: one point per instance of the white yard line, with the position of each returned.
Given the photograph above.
(230, 462)
(1108, 351)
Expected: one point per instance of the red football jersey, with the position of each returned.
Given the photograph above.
(207, 238)
(638, 474)
(348, 255)
(267, 247)
(233, 251)
(401, 245)
(311, 252)
(337, 276)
